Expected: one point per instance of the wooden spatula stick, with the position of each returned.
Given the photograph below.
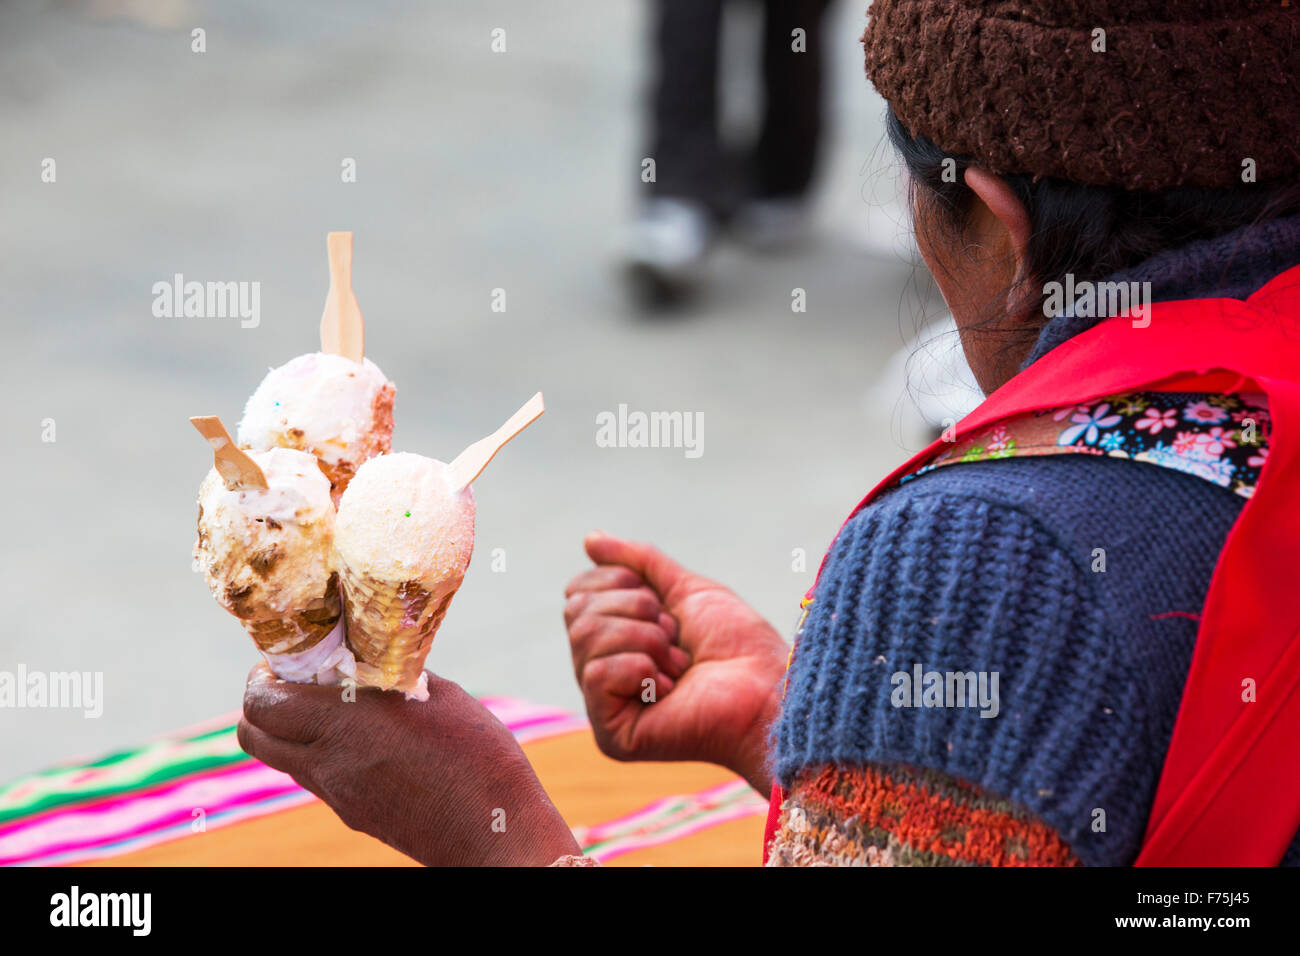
(342, 330)
(470, 463)
(234, 466)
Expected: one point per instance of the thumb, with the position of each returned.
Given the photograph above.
(660, 571)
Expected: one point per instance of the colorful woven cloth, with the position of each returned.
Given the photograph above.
(199, 780)
(670, 819)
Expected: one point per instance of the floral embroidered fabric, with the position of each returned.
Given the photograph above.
(1222, 438)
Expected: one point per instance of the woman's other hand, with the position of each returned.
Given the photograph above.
(673, 666)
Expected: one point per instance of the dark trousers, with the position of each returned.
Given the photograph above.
(690, 161)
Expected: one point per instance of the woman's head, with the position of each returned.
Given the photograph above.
(1055, 137)
(993, 242)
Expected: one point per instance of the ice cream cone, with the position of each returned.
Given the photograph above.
(390, 628)
(403, 539)
(266, 555)
(302, 631)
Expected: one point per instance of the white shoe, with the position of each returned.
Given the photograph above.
(666, 246)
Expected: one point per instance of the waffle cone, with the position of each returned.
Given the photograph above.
(302, 631)
(390, 627)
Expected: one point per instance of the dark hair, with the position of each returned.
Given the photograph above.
(1092, 231)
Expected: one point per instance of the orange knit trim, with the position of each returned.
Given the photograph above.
(933, 813)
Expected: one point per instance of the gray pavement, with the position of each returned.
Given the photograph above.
(475, 171)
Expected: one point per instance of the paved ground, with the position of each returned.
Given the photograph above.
(475, 171)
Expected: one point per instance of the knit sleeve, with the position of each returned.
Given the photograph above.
(895, 815)
(957, 634)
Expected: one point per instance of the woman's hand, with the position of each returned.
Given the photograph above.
(673, 666)
(443, 781)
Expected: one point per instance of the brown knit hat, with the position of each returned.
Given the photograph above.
(1184, 92)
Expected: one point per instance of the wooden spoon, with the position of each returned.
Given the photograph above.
(342, 330)
(234, 465)
(470, 463)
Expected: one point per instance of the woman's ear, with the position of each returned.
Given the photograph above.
(1001, 201)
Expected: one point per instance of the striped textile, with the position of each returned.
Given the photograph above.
(144, 796)
(671, 818)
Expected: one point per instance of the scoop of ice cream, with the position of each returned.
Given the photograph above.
(339, 410)
(267, 553)
(401, 521)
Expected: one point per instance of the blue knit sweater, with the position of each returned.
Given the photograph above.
(988, 566)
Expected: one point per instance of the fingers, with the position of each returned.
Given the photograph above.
(608, 682)
(298, 713)
(601, 623)
(640, 604)
(607, 578)
(659, 570)
(279, 754)
(620, 605)
(617, 636)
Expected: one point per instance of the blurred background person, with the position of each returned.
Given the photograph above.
(698, 183)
